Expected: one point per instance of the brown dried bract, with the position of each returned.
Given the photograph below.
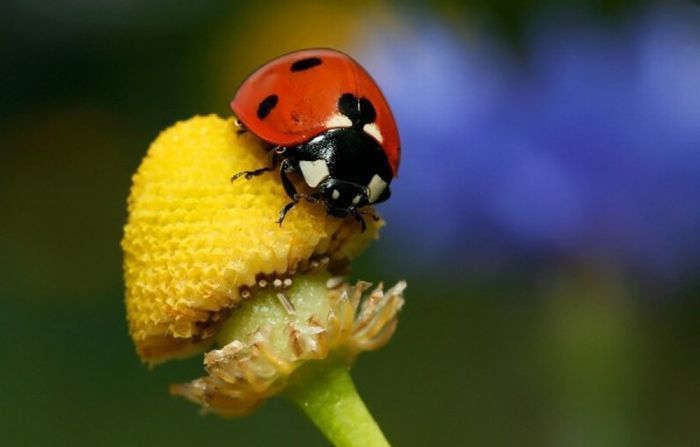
(245, 372)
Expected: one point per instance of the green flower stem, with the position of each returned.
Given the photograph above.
(325, 392)
(323, 389)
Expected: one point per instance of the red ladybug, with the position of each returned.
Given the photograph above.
(326, 119)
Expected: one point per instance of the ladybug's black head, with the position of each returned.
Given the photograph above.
(342, 198)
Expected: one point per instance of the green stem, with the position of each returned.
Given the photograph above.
(325, 392)
(323, 389)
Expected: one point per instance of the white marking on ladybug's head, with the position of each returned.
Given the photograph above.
(314, 172)
(376, 188)
(356, 199)
(338, 120)
(373, 130)
(336, 194)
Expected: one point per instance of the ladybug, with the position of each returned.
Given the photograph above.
(325, 118)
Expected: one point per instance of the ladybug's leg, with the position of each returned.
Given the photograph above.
(272, 161)
(241, 128)
(372, 215)
(288, 165)
(284, 211)
(359, 218)
(250, 174)
(311, 198)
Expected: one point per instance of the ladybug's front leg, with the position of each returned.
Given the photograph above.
(311, 198)
(289, 165)
(359, 218)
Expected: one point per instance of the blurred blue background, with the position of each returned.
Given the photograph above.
(547, 215)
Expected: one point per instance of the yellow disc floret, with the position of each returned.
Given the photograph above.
(194, 240)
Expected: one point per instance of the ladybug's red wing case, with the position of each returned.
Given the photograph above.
(295, 97)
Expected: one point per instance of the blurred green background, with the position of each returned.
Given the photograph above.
(564, 343)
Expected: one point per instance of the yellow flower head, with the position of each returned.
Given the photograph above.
(196, 244)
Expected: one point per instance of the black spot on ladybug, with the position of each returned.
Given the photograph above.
(305, 64)
(367, 112)
(359, 110)
(266, 106)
